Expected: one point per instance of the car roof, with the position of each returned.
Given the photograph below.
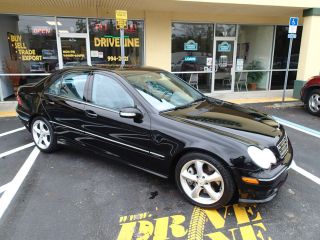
(120, 71)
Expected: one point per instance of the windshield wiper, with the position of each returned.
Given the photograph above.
(199, 100)
(186, 105)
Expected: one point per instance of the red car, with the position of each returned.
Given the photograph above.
(310, 95)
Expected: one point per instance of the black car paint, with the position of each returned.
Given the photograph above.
(156, 142)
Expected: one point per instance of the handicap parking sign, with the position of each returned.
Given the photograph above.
(294, 21)
(293, 24)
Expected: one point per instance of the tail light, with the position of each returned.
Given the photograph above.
(19, 100)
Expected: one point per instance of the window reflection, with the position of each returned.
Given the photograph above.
(192, 46)
(281, 48)
(226, 30)
(105, 42)
(72, 25)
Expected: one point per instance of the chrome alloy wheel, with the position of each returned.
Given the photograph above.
(314, 102)
(202, 182)
(41, 134)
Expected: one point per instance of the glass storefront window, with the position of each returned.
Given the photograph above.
(281, 48)
(254, 52)
(226, 30)
(31, 47)
(72, 25)
(192, 46)
(105, 42)
(278, 77)
(201, 81)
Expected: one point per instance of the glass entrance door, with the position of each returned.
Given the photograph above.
(73, 50)
(224, 65)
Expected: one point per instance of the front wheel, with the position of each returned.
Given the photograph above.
(313, 102)
(43, 135)
(204, 181)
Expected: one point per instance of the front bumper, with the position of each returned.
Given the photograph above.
(267, 188)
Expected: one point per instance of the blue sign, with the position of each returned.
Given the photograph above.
(190, 59)
(191, 45)
(224, 47)
(293, 24)
(293, 21)
(292, 35)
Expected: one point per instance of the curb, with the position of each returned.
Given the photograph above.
(8, 114)
(261, 100)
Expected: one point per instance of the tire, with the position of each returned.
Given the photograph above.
(312, 102)
(43, 135)
(204, 181)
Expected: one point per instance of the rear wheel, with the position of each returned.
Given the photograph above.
(43, 135)
(204, 181)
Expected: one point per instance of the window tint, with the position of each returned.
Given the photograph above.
(163, 90)
(72, 85)
(54, 87)
(106, 92)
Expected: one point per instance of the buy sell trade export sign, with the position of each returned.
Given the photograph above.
(234, 222)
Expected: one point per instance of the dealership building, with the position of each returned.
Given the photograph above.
(218, 46)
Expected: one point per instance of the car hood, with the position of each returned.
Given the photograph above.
(232, 120)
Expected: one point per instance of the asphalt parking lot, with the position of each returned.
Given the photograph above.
(73, 194)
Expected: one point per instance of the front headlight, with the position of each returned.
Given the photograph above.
(262, 158)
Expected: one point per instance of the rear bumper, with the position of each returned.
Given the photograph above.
(24, 117)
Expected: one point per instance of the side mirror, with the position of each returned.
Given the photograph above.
(131, 112)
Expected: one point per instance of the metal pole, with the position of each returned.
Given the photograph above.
(287, 71)
(122, 47)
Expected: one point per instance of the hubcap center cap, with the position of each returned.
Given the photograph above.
(201, 181)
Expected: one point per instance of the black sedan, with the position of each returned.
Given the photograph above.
(152, 120)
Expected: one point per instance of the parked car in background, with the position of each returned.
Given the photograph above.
(310, 95)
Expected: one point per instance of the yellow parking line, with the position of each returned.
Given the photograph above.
(8, 114)
(261, 100)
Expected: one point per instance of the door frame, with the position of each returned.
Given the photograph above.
(73, 35)
(233, 69)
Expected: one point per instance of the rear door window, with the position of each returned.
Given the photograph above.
(73, 85)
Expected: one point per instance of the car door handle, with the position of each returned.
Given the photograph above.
(91, 114)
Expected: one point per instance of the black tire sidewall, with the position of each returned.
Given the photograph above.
(307, 102)
(229, 186)
(53, 143)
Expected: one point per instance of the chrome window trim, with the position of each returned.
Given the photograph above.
(108, 139)
(83, 102)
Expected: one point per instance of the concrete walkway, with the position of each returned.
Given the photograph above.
(8, 109)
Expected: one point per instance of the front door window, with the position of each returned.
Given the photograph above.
(74, 51)
(224, 65)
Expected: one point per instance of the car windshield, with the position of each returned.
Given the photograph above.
(163, 90)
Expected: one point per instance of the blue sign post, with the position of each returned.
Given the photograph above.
(292, 33)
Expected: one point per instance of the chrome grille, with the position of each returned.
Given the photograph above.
(283, 146)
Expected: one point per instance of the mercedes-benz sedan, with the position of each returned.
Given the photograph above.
(152, 120)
